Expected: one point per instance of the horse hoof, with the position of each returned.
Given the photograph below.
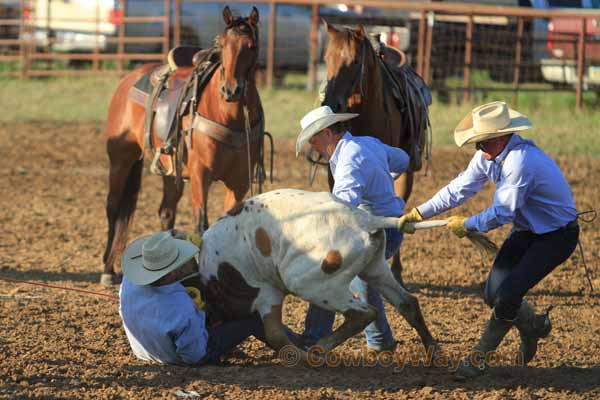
(109, 279)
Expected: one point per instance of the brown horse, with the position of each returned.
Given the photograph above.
(228, 94)
(358, 82)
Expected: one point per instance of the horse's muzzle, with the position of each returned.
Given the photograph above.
(232, 94)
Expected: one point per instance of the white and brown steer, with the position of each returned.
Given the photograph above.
(307, 244)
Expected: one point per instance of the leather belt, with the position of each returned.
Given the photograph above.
(571, 225)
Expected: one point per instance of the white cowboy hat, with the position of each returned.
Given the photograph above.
(489, 121)
(317, 120)
(151, 257)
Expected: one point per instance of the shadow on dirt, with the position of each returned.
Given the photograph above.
(369, 379)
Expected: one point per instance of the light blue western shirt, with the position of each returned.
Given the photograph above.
(162, 323)
(362, 168)
(531, 191)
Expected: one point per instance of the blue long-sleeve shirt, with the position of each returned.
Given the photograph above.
(362, 167)
(531, 191)
(162, 323)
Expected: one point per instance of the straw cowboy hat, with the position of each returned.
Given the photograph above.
(317, 120)
(151, 257)
(489, 121)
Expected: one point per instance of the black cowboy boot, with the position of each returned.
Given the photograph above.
(474, 365)
(531, 327)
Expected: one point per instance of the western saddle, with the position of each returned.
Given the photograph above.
(173, 90)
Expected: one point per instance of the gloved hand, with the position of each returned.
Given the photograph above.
(411, 216)
(196, 296)
(456, 225)
(195, 238)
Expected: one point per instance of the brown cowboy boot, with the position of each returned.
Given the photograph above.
(531, 327)
(474, 365)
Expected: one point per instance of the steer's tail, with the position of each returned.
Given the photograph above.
(371, 222)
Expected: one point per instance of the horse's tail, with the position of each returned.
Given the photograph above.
(121, 214)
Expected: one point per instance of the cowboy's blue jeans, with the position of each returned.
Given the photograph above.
(524, 259)
(226, 336)
(319, 322)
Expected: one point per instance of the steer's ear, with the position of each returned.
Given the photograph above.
(227, 16)
(254, 16)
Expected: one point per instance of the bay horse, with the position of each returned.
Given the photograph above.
(229, 99)
(358, 81)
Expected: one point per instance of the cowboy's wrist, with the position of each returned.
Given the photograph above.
(425, 210)
(471, 224)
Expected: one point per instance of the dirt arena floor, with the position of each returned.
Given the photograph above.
(62, 344)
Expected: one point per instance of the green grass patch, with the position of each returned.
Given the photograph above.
(63, 99)
(558, 128)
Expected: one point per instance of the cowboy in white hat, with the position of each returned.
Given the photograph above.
(533, 195)
(362, 168)
(162, 322)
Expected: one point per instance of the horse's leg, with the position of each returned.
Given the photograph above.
(236, 188)
(403, 188)
(403, 185)
(168, 206)
(125, 178)
(200, 180)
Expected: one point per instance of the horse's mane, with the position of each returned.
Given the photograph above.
(341, 48)
(345, 49)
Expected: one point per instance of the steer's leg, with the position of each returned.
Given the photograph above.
(269, 304)
(357, 315)
(379, 277)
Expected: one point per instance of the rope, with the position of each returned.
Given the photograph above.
(588, 273)
(91, 292)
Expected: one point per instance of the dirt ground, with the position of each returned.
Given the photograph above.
(62, 344)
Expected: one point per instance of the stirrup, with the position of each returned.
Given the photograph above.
(157, 168)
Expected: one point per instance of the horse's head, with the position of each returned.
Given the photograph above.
(348, 61)
(239, 52)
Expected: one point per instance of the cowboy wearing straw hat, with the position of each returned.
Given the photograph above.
(162, 322)
(362, 169)
(533, 195)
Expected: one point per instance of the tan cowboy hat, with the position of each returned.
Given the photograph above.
(317, 120)
(151, 257)
(489, 121)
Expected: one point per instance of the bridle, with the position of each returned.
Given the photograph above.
(254, 36)
(357, 82)
(357, 79)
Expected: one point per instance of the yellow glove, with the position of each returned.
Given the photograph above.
(412, 216)
(456, 225)
(196, 297)
(195, 238)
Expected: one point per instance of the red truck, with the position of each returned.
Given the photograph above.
(563, 42)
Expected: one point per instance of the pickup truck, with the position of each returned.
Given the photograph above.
(9, 11)
(200, 23)
(560, 67)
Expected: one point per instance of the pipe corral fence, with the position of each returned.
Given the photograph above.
(456, 47)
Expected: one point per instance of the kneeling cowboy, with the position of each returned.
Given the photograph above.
(162, 322)
(532, 193)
